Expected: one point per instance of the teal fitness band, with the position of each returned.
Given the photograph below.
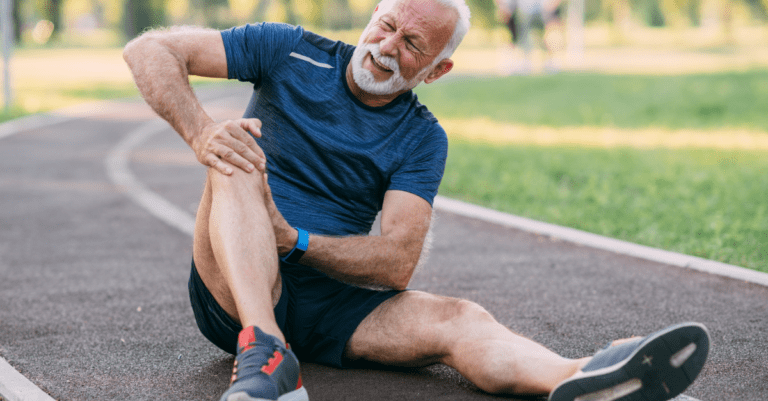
(301, 246)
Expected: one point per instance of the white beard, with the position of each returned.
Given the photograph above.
(367, 82)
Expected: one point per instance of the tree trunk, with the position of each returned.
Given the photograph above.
(17, 21)
(142, 14)
(51, 10)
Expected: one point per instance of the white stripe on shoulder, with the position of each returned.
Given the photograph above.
(309, 60)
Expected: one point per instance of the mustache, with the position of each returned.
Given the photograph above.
(386, 61)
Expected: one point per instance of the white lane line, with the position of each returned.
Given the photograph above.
(15, 387)
(43, 120)
(120, 174)
(30, 123)
(600, 242)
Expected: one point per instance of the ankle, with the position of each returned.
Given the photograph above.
(254, 335)
(569, 369)
(580, 363)
(267, 329)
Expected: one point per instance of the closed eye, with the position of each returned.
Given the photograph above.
(413, 46)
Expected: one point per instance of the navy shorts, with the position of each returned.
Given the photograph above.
(316, 313)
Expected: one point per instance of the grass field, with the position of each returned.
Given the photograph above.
(49, 79)
(707, 197)
(702, 202)
(723, 100)
(676, 162)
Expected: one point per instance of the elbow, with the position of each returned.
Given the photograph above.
(400, 286)
(128, 52)
(402, 277)
(141, 47)
(132, 50)
(404, 268)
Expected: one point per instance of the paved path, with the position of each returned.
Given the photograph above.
(93, 301)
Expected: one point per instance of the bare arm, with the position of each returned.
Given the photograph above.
(161, 62)
(388, 260)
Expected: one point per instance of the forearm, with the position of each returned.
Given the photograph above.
(162, 78)
(365, 260)
(386, 260)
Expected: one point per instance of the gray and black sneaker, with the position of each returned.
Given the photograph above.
(264, 370)
(654, 368)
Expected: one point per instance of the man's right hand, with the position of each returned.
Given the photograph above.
(228, 144)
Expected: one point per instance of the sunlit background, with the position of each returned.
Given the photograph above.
(111, 22)
(619, 36)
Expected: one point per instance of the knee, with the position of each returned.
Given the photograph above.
(238, 181)
(237, 175)
(464, 312)
(462, 324)
(461, 313)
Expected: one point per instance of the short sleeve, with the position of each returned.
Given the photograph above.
(422, 172)
(253, 50)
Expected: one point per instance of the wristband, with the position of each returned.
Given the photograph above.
(301, 246)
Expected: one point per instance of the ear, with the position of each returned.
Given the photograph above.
(439, 70)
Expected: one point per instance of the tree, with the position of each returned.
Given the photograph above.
(16, 15)
(51, 11)
(338, 14)
(139, 15)
(483, 13)
(313, 13)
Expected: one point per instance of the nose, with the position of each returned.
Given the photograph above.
(388, 45)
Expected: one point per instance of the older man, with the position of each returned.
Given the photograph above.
(288, 258)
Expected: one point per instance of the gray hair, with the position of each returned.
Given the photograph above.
(461, 28)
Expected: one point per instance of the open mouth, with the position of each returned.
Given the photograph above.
(377, 65)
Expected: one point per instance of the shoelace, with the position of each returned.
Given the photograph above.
(235, 367)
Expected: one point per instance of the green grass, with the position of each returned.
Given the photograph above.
(101, 91)
(51, 78)
(73, 95)
(13, 112)
(695, 101)
(703, 202)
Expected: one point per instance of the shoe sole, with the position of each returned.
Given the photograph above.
(300, 394)
(661, 368)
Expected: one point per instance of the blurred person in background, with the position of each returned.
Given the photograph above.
(524, 18)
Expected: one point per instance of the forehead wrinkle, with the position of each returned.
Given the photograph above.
(416, 26)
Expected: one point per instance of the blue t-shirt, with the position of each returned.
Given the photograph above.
(330, 157)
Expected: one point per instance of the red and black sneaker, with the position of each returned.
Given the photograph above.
(264, 370)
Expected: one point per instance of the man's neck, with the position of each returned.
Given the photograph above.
(367, 98)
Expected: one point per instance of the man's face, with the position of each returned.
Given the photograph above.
(399, 47)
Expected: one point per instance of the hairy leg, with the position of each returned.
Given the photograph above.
(235, 251)
(418, 329)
